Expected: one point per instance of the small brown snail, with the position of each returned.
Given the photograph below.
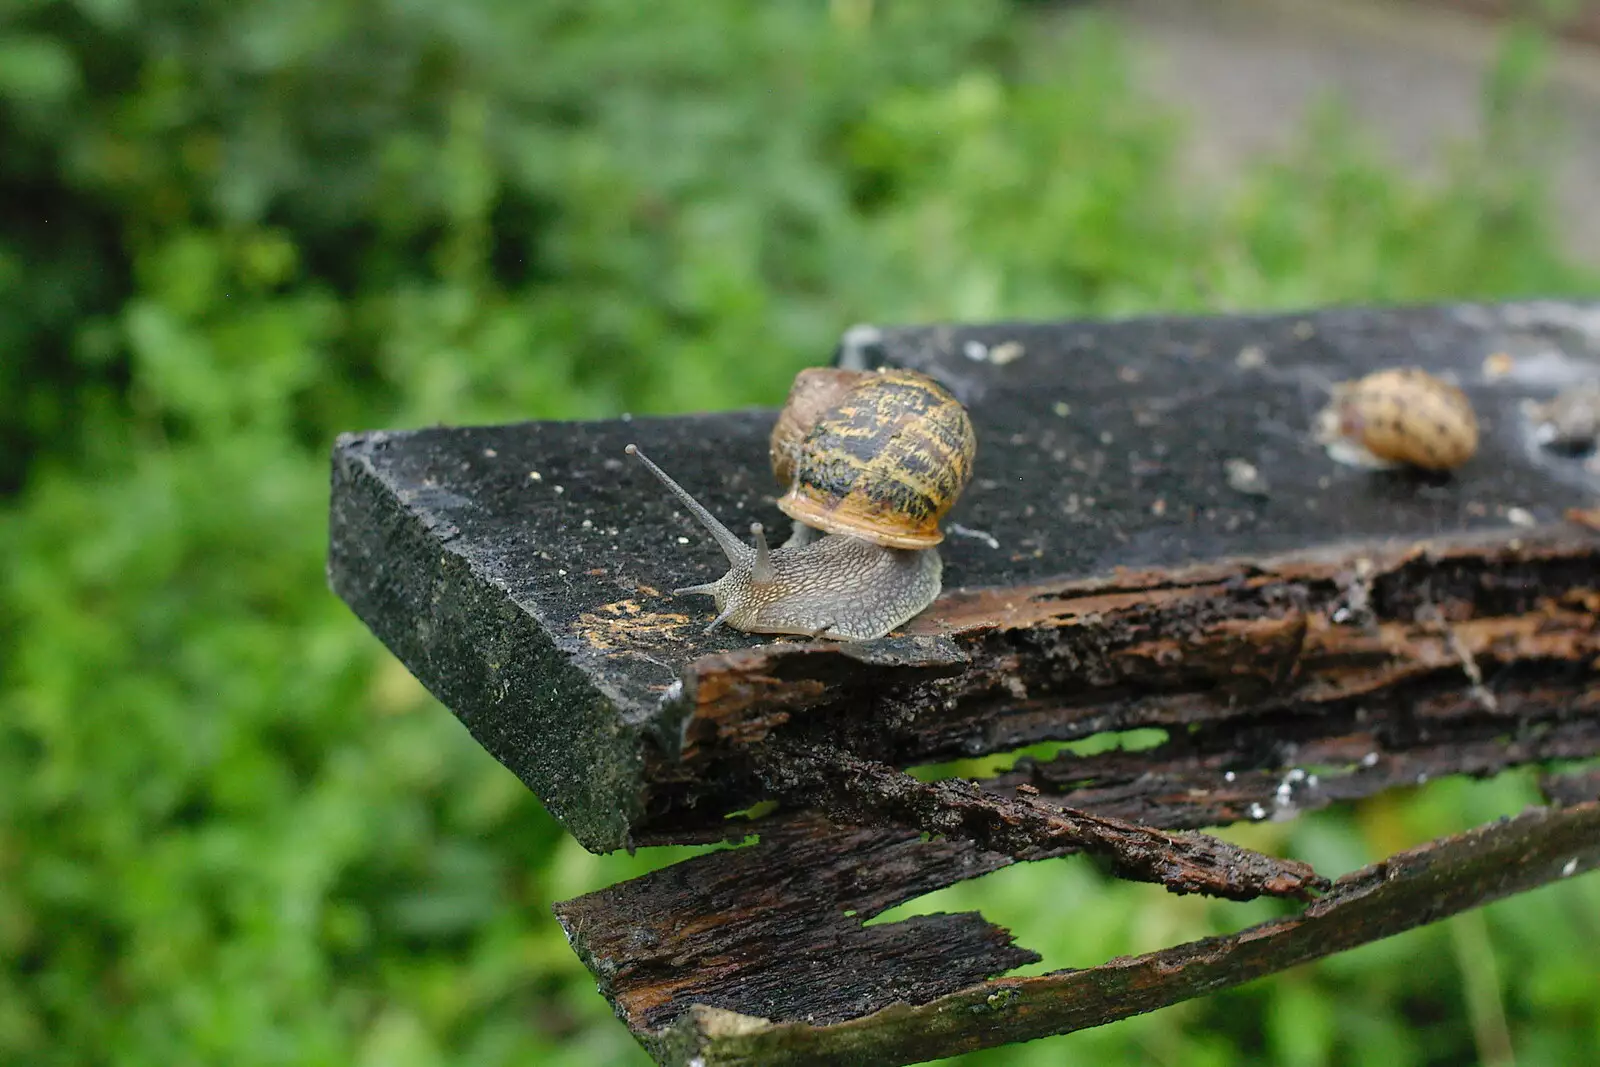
(1398, 417)
(872, 461)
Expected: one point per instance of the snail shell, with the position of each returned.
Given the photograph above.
(814, 392)
(1400, 416)
(884, 463)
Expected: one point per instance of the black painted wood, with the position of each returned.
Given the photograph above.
(520, 571)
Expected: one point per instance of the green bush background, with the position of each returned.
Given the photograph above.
(232, 830)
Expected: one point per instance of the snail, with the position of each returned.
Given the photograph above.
(1571, 421)
(870, 461)
(1398, 417)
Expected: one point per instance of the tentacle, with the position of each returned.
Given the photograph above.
(736, 550)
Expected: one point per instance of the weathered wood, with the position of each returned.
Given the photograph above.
(720, 961)
(1111, 567)
(1190, 783)
(1152, 541)
(801, 895)
(854, 790)
(1292, 648)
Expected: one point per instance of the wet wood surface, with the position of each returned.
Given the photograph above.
(1113, 565)
(1152, 542)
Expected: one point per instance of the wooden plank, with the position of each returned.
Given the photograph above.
(758, 956)
(851, 789)
(1109, 568)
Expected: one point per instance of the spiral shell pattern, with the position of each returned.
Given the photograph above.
(886, 463)
(815, 391)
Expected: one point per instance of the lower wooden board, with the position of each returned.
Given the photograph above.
(759, 956)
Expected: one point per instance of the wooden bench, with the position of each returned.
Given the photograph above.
(1152, 540)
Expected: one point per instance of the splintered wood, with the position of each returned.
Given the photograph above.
(1152, 541)
(1367, 664)
(758, 958)
(1347, 674)
(860, 791)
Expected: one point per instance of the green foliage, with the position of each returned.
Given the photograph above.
(231, 829)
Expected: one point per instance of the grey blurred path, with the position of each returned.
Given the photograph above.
(1245, 72)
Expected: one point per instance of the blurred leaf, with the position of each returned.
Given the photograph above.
(35, 70)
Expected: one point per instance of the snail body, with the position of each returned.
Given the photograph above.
(871, 461)
(1398, 417)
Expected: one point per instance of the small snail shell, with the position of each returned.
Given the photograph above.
(843, 440)
(1398, 417)
(885, 463)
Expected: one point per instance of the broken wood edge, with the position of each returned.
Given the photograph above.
(935, 643)
(963, 611)
(1406, 891)
(1289, 629)
(1177, 786)
(477, 652)
(788, 917)
(775, 928)
(867, 793)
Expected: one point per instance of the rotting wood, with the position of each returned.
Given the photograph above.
(853, 790)
(1209, 778)
(1443, 639)
(1211, 641)
(1103, 571)
(1314, 635)
(714, 929)
(766, 913)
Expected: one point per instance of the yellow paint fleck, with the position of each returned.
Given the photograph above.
(625, 623)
